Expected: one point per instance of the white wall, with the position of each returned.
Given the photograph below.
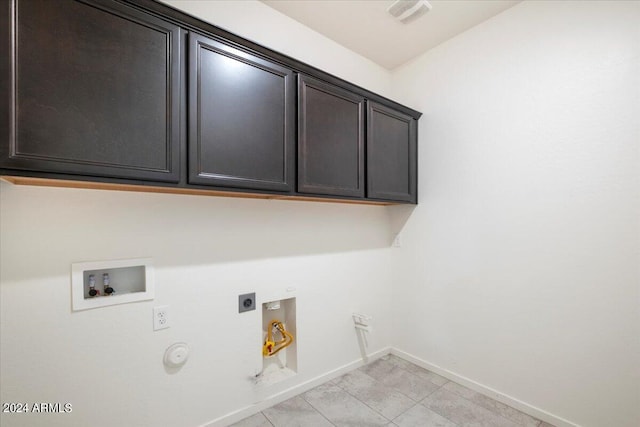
(518, 270)
(258, 22)
(521, 265)
(108, 362)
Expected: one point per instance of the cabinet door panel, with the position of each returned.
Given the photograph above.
(391, 154)
(330, 139)
(241, 118)
(94, 90)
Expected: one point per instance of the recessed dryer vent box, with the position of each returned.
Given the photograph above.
(102, 283)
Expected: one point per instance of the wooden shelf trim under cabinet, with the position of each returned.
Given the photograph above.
(48, 182)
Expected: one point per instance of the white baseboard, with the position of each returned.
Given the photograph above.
(279, 397)
(487, 391)
(274, 399)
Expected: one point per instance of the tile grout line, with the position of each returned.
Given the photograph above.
(267, 418)
(438, 413)
(426, 397)
(390, 422)
(399, 415)
(393, 388)
(473, 403)
(316, 409)
(457, 394)
(417, 376)
(493, 412)
(364, 403)
(539, 422)
(416, 402)
(380, 383)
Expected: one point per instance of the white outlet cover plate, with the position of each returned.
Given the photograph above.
(161, 317)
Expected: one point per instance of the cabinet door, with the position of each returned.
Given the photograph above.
(391, 154)
(330, 139)
(93, 90)
(241, 118)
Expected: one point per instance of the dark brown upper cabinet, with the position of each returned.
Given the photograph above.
(241, 118)
(391, 154)
(90, 87)
(330, 139)
(134, 94)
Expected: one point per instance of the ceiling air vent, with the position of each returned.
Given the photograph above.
(408, 10)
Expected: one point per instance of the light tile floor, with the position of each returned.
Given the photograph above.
(391, 392)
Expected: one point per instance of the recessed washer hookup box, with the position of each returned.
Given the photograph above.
(101, 283)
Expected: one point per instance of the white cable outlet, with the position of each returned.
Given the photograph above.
(161, 317)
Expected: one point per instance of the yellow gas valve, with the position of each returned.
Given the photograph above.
(267, 348)
(270, 346)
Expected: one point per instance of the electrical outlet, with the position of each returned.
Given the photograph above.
(246, 302)
(161, 317)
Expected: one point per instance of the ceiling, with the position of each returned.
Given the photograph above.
(365, 27)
